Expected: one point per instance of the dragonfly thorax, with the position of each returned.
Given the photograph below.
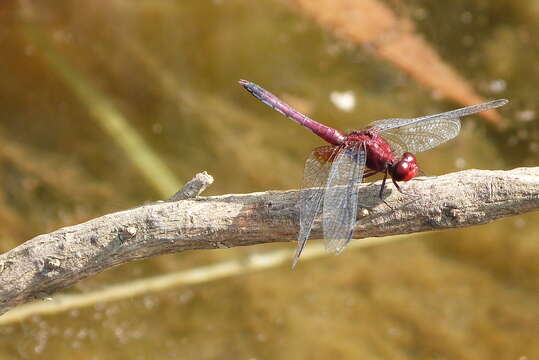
(379, 154)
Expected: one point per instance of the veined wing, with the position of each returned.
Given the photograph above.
(341, 196)
(315, 174)
(423, 133)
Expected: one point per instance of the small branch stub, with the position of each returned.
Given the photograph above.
(193, 187)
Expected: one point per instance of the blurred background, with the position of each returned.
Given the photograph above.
(106, 105)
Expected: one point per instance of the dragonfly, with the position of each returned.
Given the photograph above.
(332, 173)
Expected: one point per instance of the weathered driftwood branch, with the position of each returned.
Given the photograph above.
(59, 259)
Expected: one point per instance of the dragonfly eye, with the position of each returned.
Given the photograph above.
(408, 157)
(406, 169)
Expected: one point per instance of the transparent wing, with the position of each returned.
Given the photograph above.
(423, 133)
(341, 197)
(315, 174)
(416, 137)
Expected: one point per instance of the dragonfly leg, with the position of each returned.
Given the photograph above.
(402, 192)
(369, 173)
(422, 173)
(414, 197)
(381, 194)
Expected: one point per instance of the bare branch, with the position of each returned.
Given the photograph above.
(59, 259)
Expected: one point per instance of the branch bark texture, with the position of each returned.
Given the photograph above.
(53, 261)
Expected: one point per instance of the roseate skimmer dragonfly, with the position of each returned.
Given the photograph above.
(333, 172)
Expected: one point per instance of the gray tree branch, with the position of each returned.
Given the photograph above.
(54, 261)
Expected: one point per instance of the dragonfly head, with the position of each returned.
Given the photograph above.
(405, 169)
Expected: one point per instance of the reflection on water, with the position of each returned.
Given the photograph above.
(170, 70)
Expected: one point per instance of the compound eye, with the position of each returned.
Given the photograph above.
(408, 157)
(405, 170)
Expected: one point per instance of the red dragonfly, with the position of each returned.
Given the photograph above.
(333, 172)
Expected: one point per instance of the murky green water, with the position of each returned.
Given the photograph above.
(167, 72)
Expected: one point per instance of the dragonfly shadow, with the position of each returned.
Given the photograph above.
(369, 201)
(371, 198)
(372, 195)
